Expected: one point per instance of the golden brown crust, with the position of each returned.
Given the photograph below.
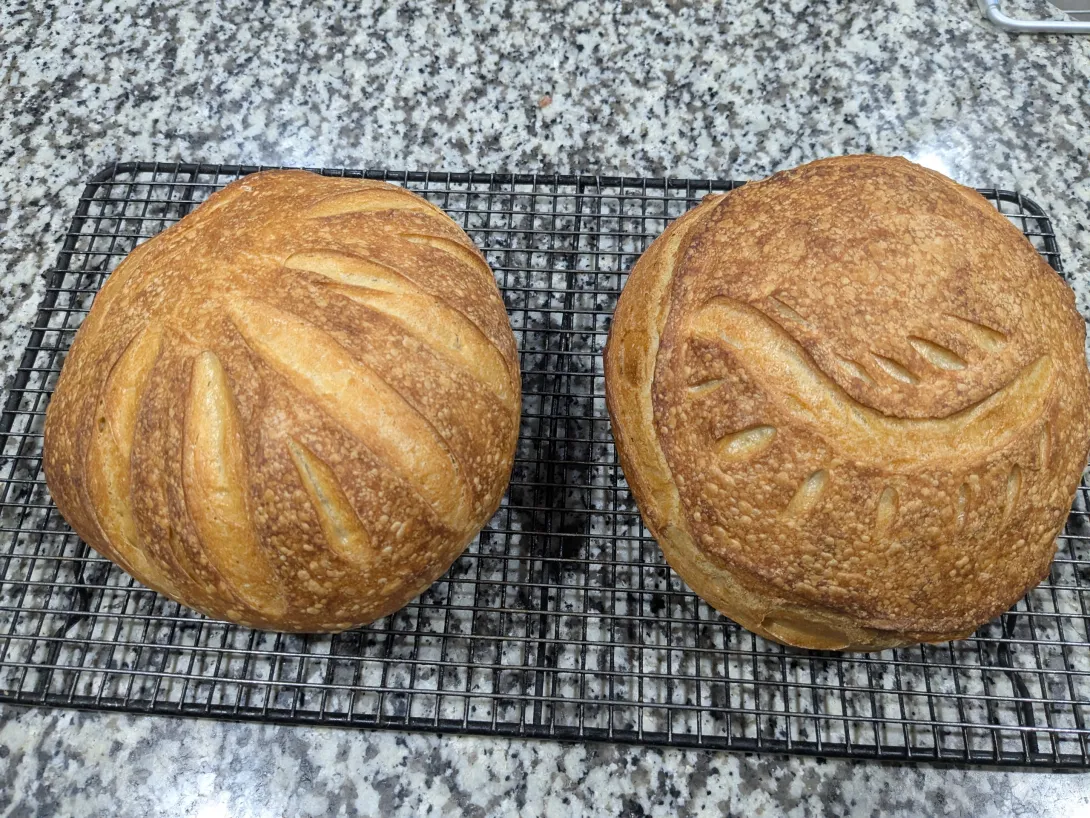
(852, 404)
(294, 408)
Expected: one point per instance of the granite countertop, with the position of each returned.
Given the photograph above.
(671, 87)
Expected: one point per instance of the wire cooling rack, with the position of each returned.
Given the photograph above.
(562, 619)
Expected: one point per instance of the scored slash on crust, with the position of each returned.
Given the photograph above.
(468, 257)
(936, 354)
(808, 494)
(1014, 487)
(856, 370)
(888, 506)
(785, 311)
(214, 475)
(340, 524)
(808, 396)
(746, 444)
(988, 339)
(109, 472)
(929, 351)
(361, 401)
(895, 369)
(377, 199)
(446, 330)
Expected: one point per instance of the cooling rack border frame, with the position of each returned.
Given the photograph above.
(997, 758)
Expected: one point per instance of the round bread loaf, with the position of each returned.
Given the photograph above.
(852, 404)
(293, 409)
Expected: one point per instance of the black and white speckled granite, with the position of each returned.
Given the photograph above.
(76, 764)
(636, 87)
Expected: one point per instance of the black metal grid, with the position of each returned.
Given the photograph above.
(562, 619)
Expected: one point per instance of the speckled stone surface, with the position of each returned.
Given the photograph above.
(639, 88)
(77, 765)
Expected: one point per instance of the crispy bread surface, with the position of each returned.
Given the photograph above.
(852, 404)
(293, 409)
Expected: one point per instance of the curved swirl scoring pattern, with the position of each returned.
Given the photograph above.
(857, 393)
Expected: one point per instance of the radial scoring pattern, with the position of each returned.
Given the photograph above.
(293, 409)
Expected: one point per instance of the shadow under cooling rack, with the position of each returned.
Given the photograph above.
(562, 619)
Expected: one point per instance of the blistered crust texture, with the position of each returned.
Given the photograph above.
(293, 409)
(852, 403)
